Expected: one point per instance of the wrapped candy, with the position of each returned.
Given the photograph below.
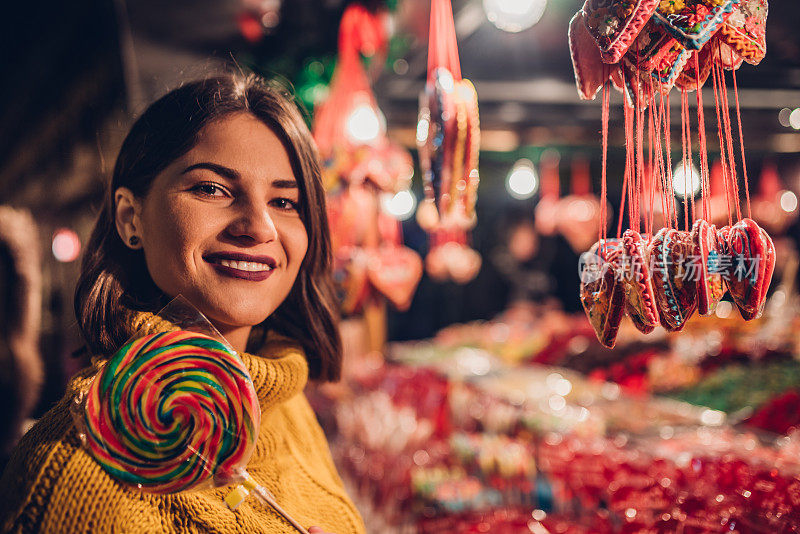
(602, 297)
(674, 284)
(171, 411)
(750, 271)
(710, 286)
(634, 273)
(448, 140)
(174, 411)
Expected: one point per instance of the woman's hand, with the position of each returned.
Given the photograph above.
(317, 530)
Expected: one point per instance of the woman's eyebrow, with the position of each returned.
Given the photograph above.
(285, 184)
(226, 172)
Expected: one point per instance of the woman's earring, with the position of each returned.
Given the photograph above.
(134, 241)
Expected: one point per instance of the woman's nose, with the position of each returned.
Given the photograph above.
(254, 223)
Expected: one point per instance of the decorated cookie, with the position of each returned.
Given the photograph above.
(614, 24)
(725, 55)
(690, 76)
(752, 255)
(638, 86)
(395, 272)
(633, 271)
(710, 287)
(590, 71)
(655, 54)
(652, 43)
(602, 297)
(693, 22)
(745, 30)
(674, 277)
(671, 65)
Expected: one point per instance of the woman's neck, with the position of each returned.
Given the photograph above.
(237, 336)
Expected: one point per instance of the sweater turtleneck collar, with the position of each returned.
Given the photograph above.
(279, 370)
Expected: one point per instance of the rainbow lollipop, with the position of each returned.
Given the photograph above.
(171, 411)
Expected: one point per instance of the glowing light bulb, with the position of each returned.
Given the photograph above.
(364, 124)
(681, 182)
(783, 117)
(514, 15)
(66, 245)
(794, 119)
(522, 181)
(788, 201)
(401, 206)
(422, 130)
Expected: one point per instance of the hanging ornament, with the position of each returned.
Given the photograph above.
(745, 30)
(680, 262)
(360, 166)
(707, 252)
(602, 297)
(448, 140)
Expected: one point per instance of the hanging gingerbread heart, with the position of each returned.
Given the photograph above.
(633, 271)
(614, 24)
(436, 264)
(395, 271)
(752, 255)
(693, 22)
(602, 297)
(725, 55)
(745, 30)
(710, 286)
(674, 277)
(690, 76)
(638, 86)
(463, 262)
(590, 71)
(650, 46)
(671, 66)
(656, 56)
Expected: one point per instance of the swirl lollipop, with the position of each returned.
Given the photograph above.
(175, 411)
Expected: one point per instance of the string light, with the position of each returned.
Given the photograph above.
(783, 117)
(680, 181)
(514, 15)
(364, 124)
(401, 206)
(66, 245)
(522, 182)
(788, 201)
(794, 119)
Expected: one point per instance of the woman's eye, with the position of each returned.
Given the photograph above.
(210, 189)
(284, 204)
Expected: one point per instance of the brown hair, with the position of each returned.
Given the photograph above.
(114, 281)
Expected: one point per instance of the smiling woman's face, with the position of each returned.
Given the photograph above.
(221, 225)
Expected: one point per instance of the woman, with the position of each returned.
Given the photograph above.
(216, 195)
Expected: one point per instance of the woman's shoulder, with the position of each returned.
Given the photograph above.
(35, 467)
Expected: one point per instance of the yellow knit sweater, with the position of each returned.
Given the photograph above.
(52, 485)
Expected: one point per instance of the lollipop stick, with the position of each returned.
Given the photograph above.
(235, 498)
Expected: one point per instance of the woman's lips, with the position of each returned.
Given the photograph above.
(255, 276)
(242, 266)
